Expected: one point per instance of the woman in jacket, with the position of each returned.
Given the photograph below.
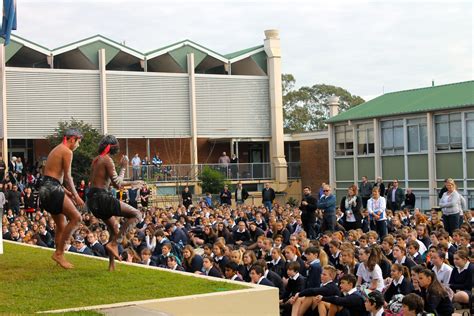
(350, 207)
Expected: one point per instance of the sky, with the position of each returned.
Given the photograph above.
(365, 47)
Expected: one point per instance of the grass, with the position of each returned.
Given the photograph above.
(31, 282)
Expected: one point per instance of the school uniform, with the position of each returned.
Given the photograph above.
(402, 286)
(352, 303)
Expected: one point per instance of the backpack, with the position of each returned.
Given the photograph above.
(177, 251)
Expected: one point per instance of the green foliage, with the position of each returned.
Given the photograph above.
(292, 201)
(306, 109)
(87, 150)
(212, 180)
(36, 283)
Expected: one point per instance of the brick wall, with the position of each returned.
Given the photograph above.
(314, 163)
(208, 152)
(171, 151)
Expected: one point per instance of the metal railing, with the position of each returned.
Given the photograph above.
(188, 172)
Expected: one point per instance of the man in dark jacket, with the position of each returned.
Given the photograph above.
(226, 196)
(241, 194)
(308, 216)
(187, 197)
(395, 197)
(268, 195)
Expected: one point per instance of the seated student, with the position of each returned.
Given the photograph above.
(440, 268)
(305, 299)
(374, 303)
(277, 264)
(348, 262)
(146, 258)
(172, 264)
(218, 249)
(296, 283)
(256, 276)
(351, 304)
(369, 271)
(231, 270)
(400, 256)
(387, 246)
(192, 262)
(292, 255)
(272, 277)
(313, 278)
(400, 282)
(209, 269)
(165, 253)
(412, 305)
(334, 254)
(434, 295)
(461, 277)
(413, 251)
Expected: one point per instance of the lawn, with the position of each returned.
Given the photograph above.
(31, 281)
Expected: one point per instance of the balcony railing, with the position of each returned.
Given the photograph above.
(188, 172)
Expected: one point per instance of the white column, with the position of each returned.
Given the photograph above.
(277, 152)
(192, 113)
(405, 152)
(103, 90)
(4, 121)
(356, 152)
(377, 149)
(431, 158)
(464, 154)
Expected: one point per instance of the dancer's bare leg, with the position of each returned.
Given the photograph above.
(112, 245)
(71, 213)
(132, 215)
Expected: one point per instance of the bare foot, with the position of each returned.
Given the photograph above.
(62, 261)
(112, 249)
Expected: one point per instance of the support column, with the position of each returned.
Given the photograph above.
(103, 90)
(355, 156)
(431, 159)
(377, 149)
(192, 113)
(128, 155)
(277, 152)
(332, 161)
(4, 120)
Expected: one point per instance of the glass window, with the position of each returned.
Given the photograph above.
(470, 130)
(392, 137)
(365, 139)
(417, 135)
(448, 131)
(344, 141)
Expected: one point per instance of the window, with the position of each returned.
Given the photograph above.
(392, 137)
(365, 139)
(448, 131)
(344, 141)
(470, 130)
(422, 199)
(417, 135)
(470, 199)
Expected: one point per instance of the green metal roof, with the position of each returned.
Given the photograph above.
(242, 52)
(186, 41)
(454, 95)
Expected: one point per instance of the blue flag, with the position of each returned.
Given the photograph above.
(9, 19)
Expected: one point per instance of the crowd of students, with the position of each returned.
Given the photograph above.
(413, 264)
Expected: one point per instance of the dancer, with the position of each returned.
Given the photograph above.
(58, 194)
(102, 203)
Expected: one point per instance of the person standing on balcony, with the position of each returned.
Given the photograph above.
(187, 197)
(224, 162)
(268, 195)
(136, 162)
(365, 190)
(240, 194)
(234, 167)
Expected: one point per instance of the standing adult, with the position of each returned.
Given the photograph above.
(350, 206)
(376, 207)
(268, 195)
(187, 197)
(223, 162)
(241, 194)
(308, 216)
(379, 184)
(395, 197)
(410, 199)
(2, 168)
(450, 204)
(136, 162)
(327, 203)
(60, 201)
(14, 198)
(234, 166)
(102, 203)
(144, 196)
(226, 196)
(365, 189)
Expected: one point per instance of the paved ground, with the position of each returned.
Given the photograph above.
(132, 310)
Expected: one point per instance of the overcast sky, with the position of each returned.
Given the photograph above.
(365, 47)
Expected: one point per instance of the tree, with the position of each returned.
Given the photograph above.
(87, 150)
(212, 180)
(306, 109)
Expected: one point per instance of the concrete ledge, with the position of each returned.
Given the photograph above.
(255, 300)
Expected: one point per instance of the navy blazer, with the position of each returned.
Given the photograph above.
(313, 278)
(266, 282)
